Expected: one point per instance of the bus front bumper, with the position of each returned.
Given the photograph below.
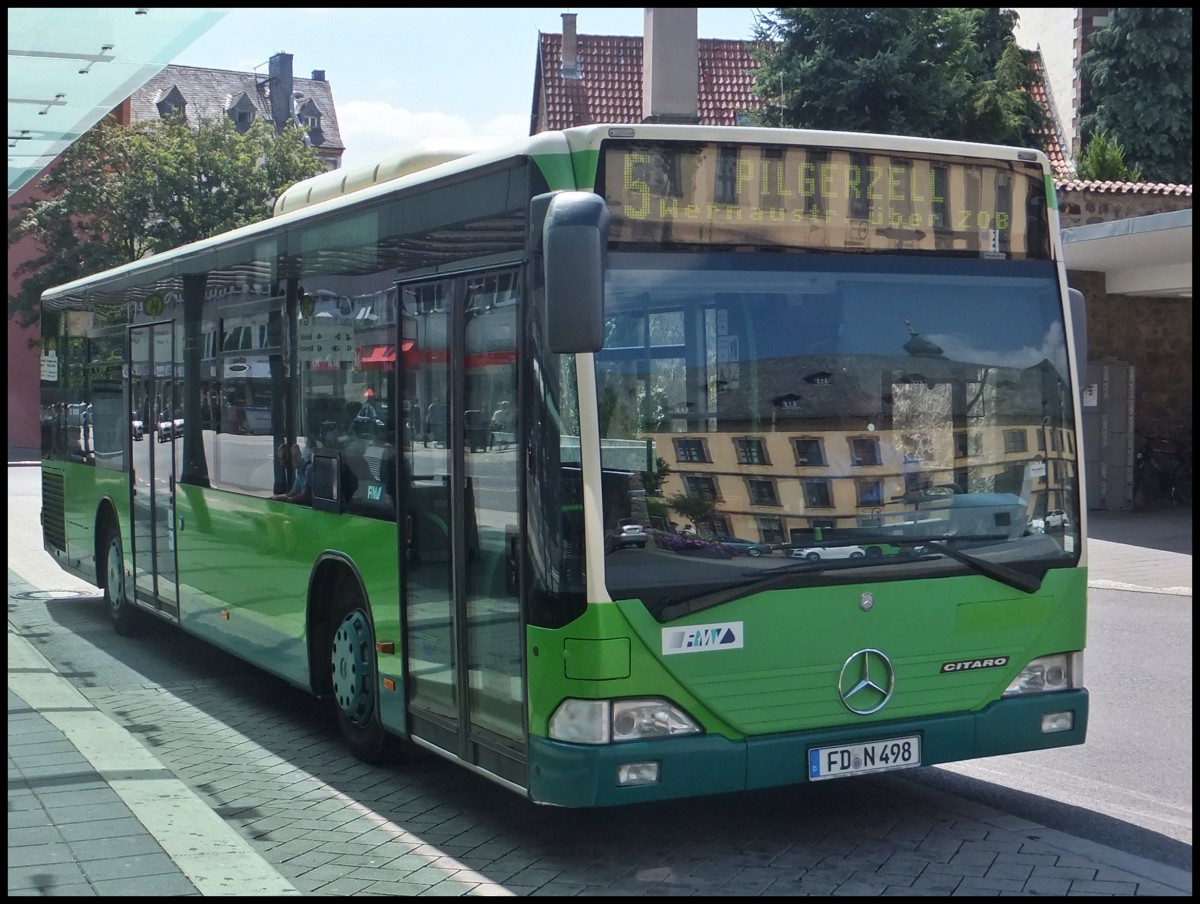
(579, 775)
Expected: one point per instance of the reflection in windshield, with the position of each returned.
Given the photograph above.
(811, 404)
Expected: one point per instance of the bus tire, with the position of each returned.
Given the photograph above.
(354, 682)
(121, 611)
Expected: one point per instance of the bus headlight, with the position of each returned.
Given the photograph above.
(613, 721)
(1059, 672)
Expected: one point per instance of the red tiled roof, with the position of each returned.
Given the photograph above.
(1052, 136)
(726, 77)
(610, 86)
(1125, 188)
(609, 89)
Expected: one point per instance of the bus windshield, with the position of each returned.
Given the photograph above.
(845, 411)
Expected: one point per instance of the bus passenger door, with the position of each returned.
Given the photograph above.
(463, 626)
(494, 695)
(156, 398)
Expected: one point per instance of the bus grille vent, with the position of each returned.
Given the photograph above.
(54, 510)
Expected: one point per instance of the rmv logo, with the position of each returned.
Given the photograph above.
(700, 638)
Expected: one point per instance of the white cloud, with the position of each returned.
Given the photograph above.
(1052, 348)
(374, 130)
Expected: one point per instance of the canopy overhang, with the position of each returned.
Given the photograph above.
(70, 67)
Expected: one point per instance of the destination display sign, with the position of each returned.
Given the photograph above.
(824, 198)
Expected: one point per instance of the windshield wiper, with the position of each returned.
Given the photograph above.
(765, 580)
(921, 546)
(1010, 576)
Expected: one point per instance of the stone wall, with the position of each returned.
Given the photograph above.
(1155, 336)
(1082, 208)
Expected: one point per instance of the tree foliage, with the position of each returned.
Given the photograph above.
(936, 72)
(1139, 75)
(120, 193)
(694, 508)
(652, 481)
(1103, 160)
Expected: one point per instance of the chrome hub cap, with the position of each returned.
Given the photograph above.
(353, 680)
(115, 576)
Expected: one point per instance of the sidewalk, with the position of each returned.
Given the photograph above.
(1141, 551)
(91, 811)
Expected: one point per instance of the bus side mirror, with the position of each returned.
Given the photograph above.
(1079, 328)
(574, 241)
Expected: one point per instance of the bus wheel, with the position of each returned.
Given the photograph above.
(355, 682)
(121, 611)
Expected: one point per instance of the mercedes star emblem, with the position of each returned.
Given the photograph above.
(866, 682)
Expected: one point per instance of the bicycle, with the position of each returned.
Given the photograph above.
(1162, 472)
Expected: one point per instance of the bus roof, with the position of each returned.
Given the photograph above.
(328, 192)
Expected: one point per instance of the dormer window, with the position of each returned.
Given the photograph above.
(172, 104)
(242, 111)
(309, 116)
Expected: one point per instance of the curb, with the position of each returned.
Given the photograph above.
(1140, 588)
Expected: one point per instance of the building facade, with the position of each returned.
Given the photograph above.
(199, 95)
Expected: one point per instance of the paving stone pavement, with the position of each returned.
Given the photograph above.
(224, 787)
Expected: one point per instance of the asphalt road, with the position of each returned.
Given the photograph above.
(1130, 784)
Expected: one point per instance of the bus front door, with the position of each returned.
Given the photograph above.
(154, 398)
(464, 632)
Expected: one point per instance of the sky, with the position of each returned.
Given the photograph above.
(398, 76)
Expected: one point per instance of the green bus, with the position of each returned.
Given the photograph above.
(523, 390)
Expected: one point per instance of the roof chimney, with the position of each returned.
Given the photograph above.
(570, 47)
(670, 66)
(281, 86)
(318, 75)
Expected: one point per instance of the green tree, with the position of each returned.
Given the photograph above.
(1139, 75)
(1103, 160)
(938, 72)
(653, 480)
(119, 193)
(694, 508)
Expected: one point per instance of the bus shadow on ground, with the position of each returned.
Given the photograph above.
(83, 620)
